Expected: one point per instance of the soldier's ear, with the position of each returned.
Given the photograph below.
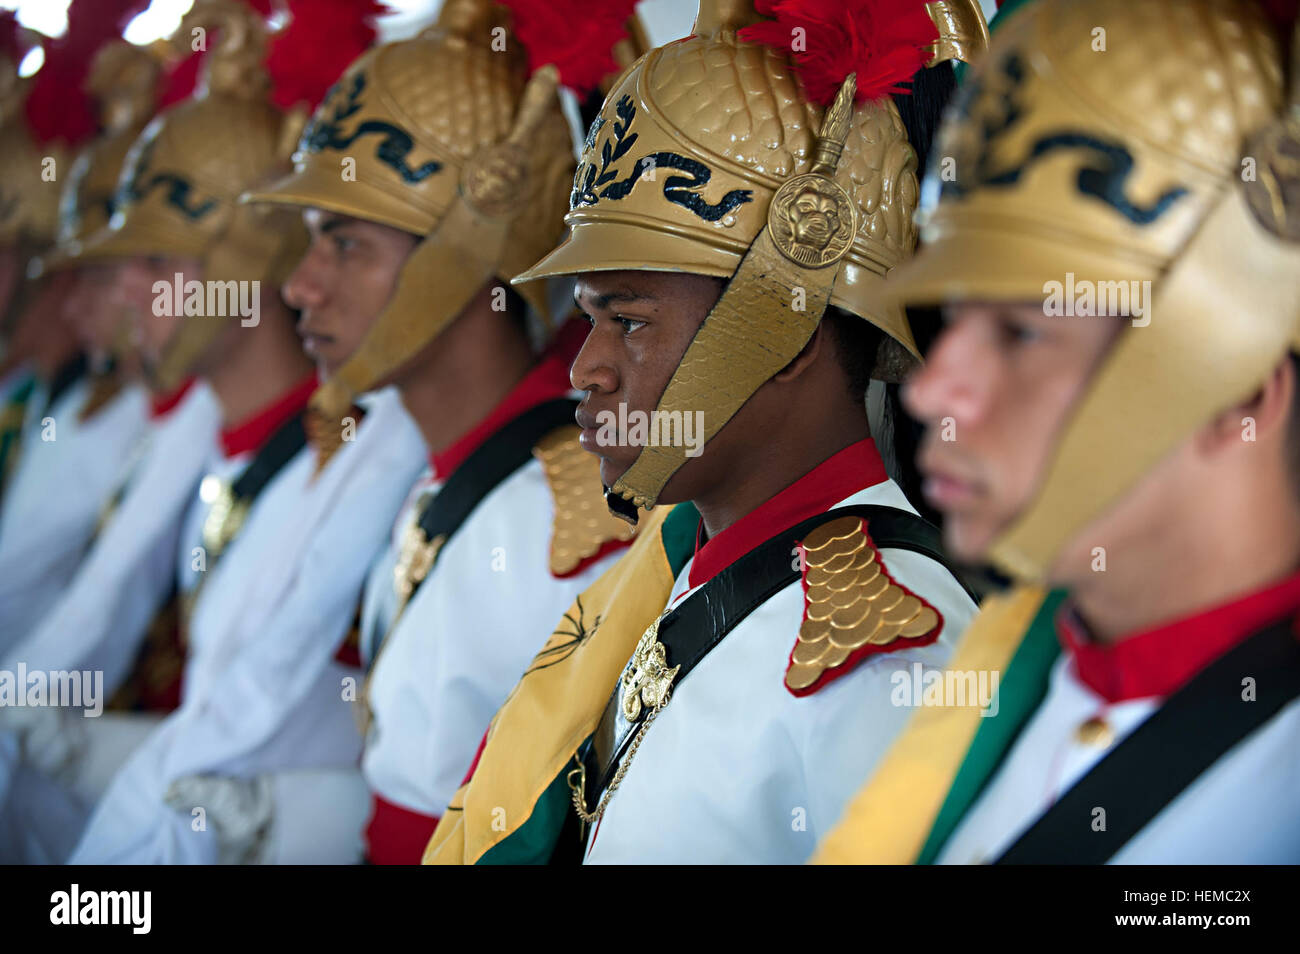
(806, 358)
(1263, 417)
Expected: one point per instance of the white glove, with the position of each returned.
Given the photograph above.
(239, 810)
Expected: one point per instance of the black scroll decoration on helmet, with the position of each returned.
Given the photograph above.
(592, 183)
(140, 184)
(71, 204)
(326, 132)
(990, 108)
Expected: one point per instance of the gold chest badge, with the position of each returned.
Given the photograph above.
(647, 680)
(225, 515)
(415, 558)
(644, 690)
(414, 561)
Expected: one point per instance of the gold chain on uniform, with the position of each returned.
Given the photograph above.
(647, 681)
(416, 557)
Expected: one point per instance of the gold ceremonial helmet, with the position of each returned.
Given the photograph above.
(709, 157)
(446, 137)
(183, 175)
(28, 202)
(124, 80)
(1165, 159)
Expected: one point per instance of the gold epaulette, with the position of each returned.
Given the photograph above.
(325, 427)
(853, 608)
(583, 524)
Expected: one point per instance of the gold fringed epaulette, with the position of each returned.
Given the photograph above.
(583, 526)
(330, 426)
(853, 608)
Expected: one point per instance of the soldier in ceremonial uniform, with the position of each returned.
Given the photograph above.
(128, 567)
(718, 695)
(42, 357)
(81, 429)
(508, 523)
(259, 378)
(126, 592)
(274, 550)
(1136, 454)
(113, 587)
(36, 353)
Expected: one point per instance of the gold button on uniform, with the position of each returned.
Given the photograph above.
(1096, 731)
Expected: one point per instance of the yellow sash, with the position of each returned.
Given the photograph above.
(558, 702)
(889, 820)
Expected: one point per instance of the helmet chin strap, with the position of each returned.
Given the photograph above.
(754, 330)
(621, 507)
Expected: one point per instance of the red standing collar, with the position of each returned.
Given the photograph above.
(160, 405)
(254, 431)
(854, 468)
(1158, 661)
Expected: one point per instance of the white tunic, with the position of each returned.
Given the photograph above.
(736, 769)
(1242, 810)
(162, 502)
(103, 615)
(263, 696)
(464, 640)
(98, 625)
(55, 497)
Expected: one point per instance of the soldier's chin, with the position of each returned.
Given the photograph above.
(149, 372)
(611, 470)
(968, 538)
(326, 369)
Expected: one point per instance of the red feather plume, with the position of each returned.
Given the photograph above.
(58, 107)
(321, 40)
(180, 80)
(884, 41)
(577, 36)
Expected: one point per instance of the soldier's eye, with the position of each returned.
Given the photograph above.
(1020, 333)
(629, 324)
